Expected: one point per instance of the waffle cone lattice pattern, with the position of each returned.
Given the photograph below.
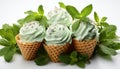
(55, 51)
(28, 50)
(85, 47)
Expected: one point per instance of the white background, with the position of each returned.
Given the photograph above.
(12, 10)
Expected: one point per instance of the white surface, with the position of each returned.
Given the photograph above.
(12, 10)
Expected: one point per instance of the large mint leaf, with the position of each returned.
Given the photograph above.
(96, 17)
(72, 11)
(107, 50)
(9, 53)
(86, 11)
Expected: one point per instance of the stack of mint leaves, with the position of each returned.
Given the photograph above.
(106, 47)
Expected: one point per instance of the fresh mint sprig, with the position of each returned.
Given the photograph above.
(107, 44)
(35, 16)
(74, 58)
(8, 34)
(75, 14)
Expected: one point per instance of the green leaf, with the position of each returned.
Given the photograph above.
(75, 25)
(73, 54)
(6, 27)
(65, 58)
(9, 54)
(16, 29)
(41, 10)
(62, 5)
(31, 13)
(43, 21)
(29, 18)
(3, 51)
(21, 21)
(114, 45)
(81, 64)
(74, 58)
(42, 60)
(72, 11)
(103, 19)
(86, 11)
(107, 50)
(96, 17)
(4, 42)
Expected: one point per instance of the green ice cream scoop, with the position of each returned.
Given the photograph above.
(85, 31)
(57, 34)
(59, 16)
(32, 32)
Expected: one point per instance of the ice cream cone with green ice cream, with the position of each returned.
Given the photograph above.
(84, 37)
(57, 40)
(29, 39)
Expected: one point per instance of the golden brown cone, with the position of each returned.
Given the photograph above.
(55, 51)
(85, 47)
(28, 50)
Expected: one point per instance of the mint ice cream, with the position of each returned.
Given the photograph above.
(32, 32)
(59, 16)
(57, 34)
(85, 31)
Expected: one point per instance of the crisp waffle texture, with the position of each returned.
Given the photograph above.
(55, 51)
(28, 50)
(85, 47)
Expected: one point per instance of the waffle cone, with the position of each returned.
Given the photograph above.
(85, 47)
(55, 51)
(28, 50)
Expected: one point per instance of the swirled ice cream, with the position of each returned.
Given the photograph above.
(32, 32)
(57, 34)
(85, 31)
(59, 16)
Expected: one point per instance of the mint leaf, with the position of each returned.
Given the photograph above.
(107, 50)
(62, 5)
(81, 64)
(65, 58)
(75, 25)
(96, 17)
(103, 19)
(73, 54)
(43, 21)
(9, 53)
(86, 11)
(29, 18)
(73, 57)
(42, 60)
(15, 29)
(41, 10)
(3, 51)
(4, 42)
(72, 11)
(30, 12)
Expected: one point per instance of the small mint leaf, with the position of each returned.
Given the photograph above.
(42, 60)
(103, 19)
(86, 11)
(81, 64)
(72, 11)
(96, 17)
(65, 58)
(41, 10)
(75, 25)
(73, 54)
(62, 5)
